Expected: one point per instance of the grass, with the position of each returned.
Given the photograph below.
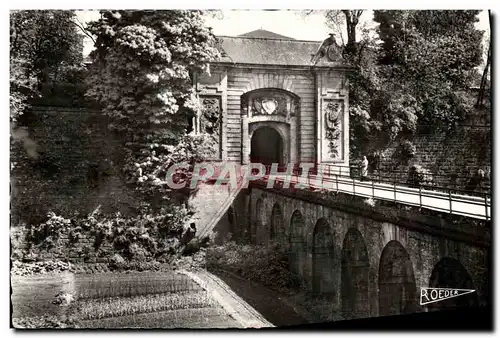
(186, 318)
(133, 284)
(115, 300)
(122, 306)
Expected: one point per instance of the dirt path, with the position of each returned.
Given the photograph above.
(266, 301)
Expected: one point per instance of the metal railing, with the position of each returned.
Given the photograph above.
(340, 179)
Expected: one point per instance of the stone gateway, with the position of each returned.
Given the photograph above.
(281, 100)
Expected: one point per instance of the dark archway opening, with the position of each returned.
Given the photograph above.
(277, 231)
(355, 276)
(231, 218)
(259, 234)
(266, 147)
(297, 243)
(396, 281)
(323, 258)
(450, 273)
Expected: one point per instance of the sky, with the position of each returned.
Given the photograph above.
(285, 22)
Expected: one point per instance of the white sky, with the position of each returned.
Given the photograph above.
(285, 22)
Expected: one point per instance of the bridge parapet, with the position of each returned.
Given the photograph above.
(470, 230)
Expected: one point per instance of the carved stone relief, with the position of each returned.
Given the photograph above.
(270, 102)
(210, 119)
(332, 114)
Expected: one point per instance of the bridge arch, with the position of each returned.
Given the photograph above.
(323, 256)
(297, 243)
(450, 273)
(396, 281)
(259, 232)
(231, 219)
(355, 270)
(277, 229)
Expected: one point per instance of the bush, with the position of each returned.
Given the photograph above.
(47, 322)
(48, 233)
(405, 151)
(141, 238)
(264, 264)
(29, 269)
(419, 176)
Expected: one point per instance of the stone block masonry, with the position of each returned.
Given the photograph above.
(77, 166)
(452, 158)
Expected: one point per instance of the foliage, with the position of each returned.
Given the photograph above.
(419, 176)
(28, 269)
(433, 55)
(142, 64)
(50, 231)
(405, 151)
(148, 163)
(264, 264)
(138, 242)
(45, 322)
(418, 77)
(45, 47)
(141, 78)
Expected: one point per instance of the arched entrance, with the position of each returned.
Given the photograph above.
(355, 276)
(297, 243)
(323, 258)
(450, 273)
(396, 281)
(266, 147)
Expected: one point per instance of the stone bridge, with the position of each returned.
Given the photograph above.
(366, 258)
(273, 99)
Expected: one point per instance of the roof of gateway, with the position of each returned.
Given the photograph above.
(261, 47)
(263, 34)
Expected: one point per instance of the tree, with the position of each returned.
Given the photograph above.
(433, 56)
(43, 46)
(417, 77)
(141, 79)
(484, 78)
(352, 20)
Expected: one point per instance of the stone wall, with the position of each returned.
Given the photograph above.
(452, 158)
(74, 166)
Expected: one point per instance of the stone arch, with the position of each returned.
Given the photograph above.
(259, 234)
(269, 81)
(231, 219)
(396, 281)
(323, 279)
(277, 228)
(281, 114)
(297, 243)
(450, 273)
(355, 270)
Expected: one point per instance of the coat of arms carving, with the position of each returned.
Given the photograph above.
(333, 111)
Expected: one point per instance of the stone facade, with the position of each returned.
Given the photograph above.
(305, 103)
